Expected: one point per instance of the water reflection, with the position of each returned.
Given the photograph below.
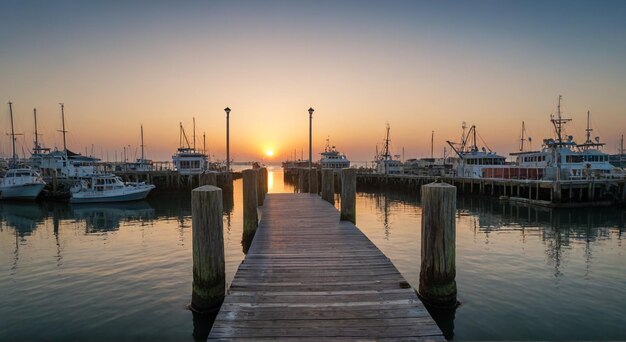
(507, 250)
(107, 217)
(24, 217)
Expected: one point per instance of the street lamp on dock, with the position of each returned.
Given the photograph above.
(311, 110)
(227, 110)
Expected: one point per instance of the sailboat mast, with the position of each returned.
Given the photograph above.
(559, 117)
(432, 144)
(14, 156)
(203, 142)
(588, 130)
(63, 127)
(36, 133)
(142, 155)
(194, 134)
(521, 146)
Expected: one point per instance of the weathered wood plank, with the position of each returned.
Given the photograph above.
(308, 276)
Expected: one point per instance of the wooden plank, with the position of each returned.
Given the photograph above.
(308, 276)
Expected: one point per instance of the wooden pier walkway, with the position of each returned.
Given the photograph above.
(310, 276)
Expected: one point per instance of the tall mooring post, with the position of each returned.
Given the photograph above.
(437, 284)
(250, 198)
(348, 195)
(261, 181)
(328, 185)
(208, 249)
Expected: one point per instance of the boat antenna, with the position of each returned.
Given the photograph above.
(204, 142)
(559, 122)
(142, 145)
(36, 134)
(588, 130)
(63, 128)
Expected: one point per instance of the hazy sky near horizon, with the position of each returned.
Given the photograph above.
(420, 66)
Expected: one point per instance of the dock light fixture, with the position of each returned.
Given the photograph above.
(227, 110)
(311, 110)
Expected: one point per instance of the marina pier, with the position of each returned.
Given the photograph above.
(309, 272)
(548, 193)
(310, 276)
(565, 193)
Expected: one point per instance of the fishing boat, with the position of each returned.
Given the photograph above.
(332, 159)
(19, 182)
(108, 188)
(472, 159)
(188, 160)
(384, 162)
(562, 158)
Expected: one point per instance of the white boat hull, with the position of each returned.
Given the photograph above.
(116, 196)
(21, 192)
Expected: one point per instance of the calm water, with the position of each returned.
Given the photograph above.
(123, 272)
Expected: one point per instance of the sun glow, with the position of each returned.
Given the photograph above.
(269, 153)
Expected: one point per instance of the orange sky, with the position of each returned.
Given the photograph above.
(420, 68)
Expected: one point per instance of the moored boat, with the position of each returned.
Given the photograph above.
(19, 182)
(108, 188)
(384, 162)
(473, 160)
(332, 159)
(562, 158)
(188, 160)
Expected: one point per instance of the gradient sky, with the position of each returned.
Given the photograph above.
(420, 66)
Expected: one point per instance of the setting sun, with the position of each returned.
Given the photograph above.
(269, 153)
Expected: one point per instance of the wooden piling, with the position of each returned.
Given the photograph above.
(55, 181)
(303, 180)
(348, 195)
(209, 178)
(437, 284)
(313, 181)
(265, 183)
(328, 185)
(209, 284)
(250, 216)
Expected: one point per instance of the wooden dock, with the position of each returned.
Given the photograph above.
(310, 276)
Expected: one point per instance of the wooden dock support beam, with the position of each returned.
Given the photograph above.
(209, 282)
(328, 185)
(437, 284)
(348, 195)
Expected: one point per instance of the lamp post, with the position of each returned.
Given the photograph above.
(227, 110)
(311, 110)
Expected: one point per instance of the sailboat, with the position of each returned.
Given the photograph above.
(143, 164)
(19, 182)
